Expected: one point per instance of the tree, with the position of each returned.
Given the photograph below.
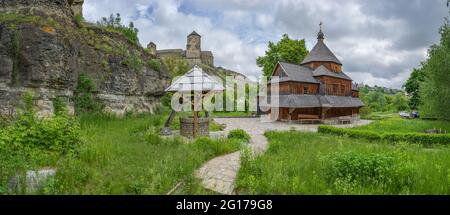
(287, 50)
(400, 102)
(375, 100)
(412, 87)
(435, 89)
(114, 22)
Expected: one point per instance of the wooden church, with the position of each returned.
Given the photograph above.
(317, 90)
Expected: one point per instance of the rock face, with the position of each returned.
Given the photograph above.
(44, 50)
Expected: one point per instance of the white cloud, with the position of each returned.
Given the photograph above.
(380, 46)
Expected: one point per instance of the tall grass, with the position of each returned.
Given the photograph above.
(397, 124)
(298, 163)
(119, 157)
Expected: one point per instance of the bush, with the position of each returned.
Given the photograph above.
(426, 139)
(114, 23)
(239, 134)
(59, 106)
(58, 134)
(133, 61)
(155, 64)
(84, 96)
(79, 20)
(352, 169)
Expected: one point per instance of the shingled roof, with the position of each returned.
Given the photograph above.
(321, 53)
(312, 101)
(296, 73)
(194, 33)
(323, 71)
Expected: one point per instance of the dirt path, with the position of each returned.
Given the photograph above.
(219, 174)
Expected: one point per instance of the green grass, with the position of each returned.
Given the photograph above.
(121, 156)
(380, 115)
(397, 124)
(232, 114)
(295, 163)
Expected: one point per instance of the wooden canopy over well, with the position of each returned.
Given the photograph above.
(196, 82)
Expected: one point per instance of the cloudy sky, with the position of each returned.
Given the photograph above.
(379, 42)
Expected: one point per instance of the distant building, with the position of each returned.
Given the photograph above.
(315, 90)
(193, 53)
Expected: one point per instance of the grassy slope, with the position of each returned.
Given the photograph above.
(117, 159)
(397, 124)
(293, 165)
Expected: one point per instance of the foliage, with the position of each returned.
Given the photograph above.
(412, 87)
(114, 23)
(176, 66)
(294, 164)
(79, 20)
(389, 137)
(84, 96)
(375, 100)
(155, 64)
(400, 102)
(364, 169)
(435, 89)
(59, 106)
(59, 134)
(286, 50)
(133, 60)
(239, 134)
(378, 99)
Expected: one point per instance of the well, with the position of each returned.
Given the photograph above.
(187, 127)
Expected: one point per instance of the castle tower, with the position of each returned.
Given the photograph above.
(193, 48)
(152, 48)
(77, 7)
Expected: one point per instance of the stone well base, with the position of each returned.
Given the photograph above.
(187, 127)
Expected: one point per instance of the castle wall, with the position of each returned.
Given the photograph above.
(207, 58)
(77, 7)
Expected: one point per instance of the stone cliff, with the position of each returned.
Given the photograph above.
(44, 48)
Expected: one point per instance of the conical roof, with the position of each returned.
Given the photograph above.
(194, 34)
(322, 53)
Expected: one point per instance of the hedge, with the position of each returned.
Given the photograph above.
(426, 139)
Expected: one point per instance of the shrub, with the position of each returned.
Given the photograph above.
(58, 134)
(59, 106)
(84, 96)
(79, 20)
(426, 139)
(114, 23)
(155, 64)
(133, 61)
(352, 169)
(239, 134)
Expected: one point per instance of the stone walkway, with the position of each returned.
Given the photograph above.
(219, 174)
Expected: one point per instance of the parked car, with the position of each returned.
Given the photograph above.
(409, 115)
(414, 114)
(404, 114)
